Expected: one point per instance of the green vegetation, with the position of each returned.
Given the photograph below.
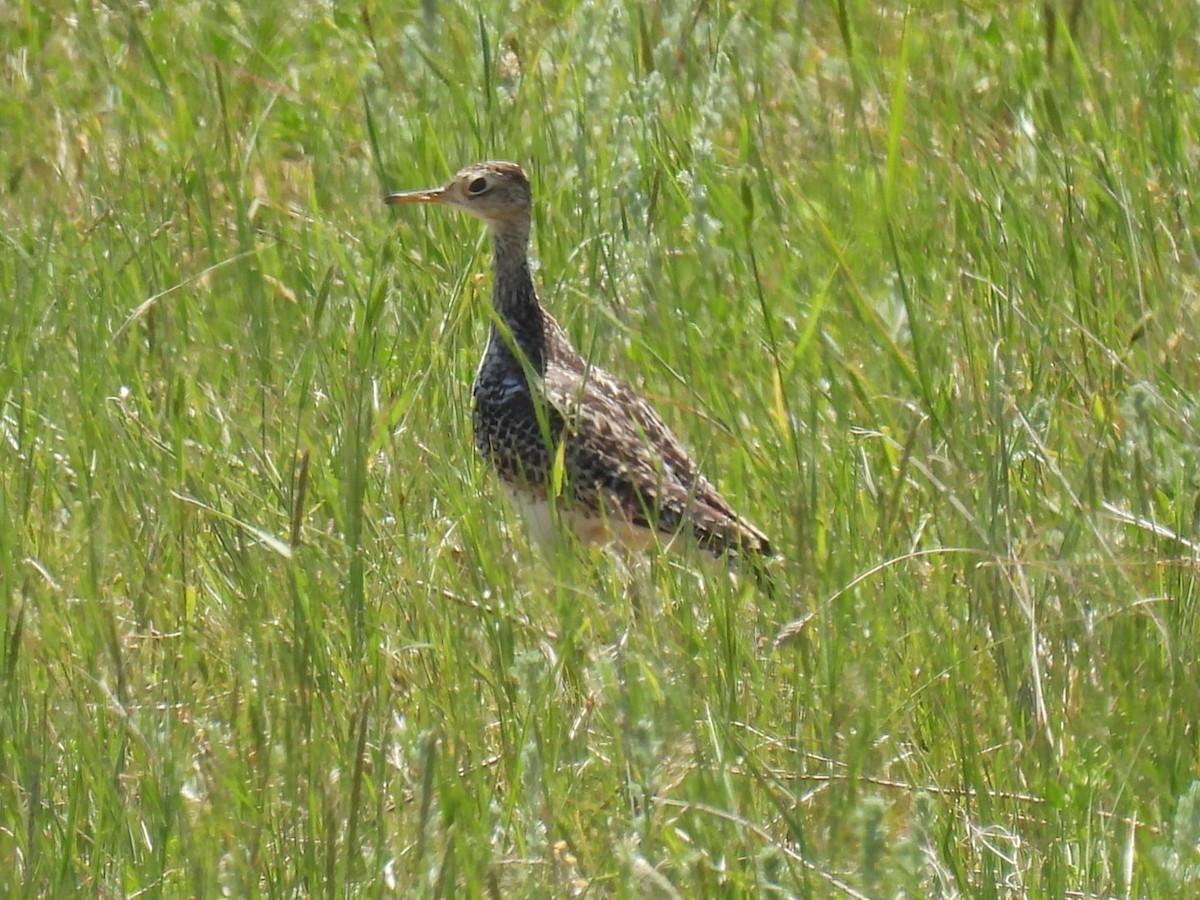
(921, 291)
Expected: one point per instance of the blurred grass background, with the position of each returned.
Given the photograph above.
(919, 287)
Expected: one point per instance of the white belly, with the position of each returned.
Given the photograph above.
(546, 524)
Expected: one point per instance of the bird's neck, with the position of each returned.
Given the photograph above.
(516, 302)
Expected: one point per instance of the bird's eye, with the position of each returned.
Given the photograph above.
(478, 186)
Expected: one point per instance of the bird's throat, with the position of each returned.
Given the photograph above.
(516, 303)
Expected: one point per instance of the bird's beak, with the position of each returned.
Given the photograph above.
(433, 195)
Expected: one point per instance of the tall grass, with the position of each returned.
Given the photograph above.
(919, 289)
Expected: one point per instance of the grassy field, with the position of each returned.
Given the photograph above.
(921, 290)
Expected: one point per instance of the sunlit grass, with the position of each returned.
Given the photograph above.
(919, 291)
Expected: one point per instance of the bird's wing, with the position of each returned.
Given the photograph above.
(624, 460)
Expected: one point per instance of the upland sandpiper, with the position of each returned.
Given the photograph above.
(573, 444)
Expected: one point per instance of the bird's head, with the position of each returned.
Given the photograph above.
(496, 192)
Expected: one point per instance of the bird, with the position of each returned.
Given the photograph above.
(574, 445)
